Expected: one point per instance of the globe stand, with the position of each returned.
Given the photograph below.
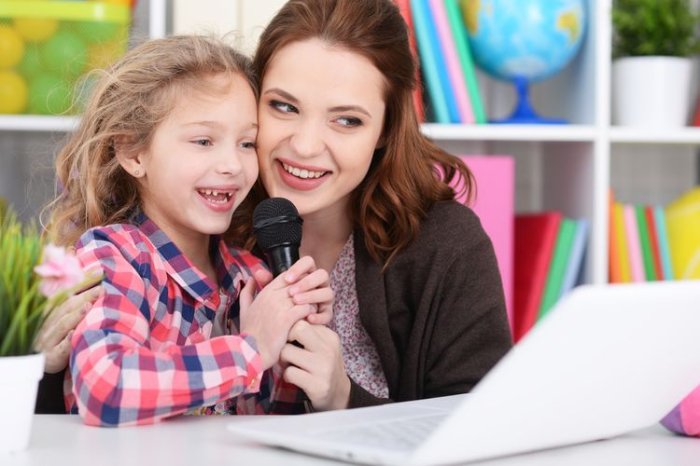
(524, 114)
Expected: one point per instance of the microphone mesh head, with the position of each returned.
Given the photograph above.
(276, 222)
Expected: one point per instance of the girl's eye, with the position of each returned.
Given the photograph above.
(349, 122)
(204, 142)
(249, 145)
(283, 107)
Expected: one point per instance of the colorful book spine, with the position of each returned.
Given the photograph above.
(453, 68)
(622, 243)
(660, 219)
(429, 61)
(575, 263)
(557, 268)
(466, 61)
(614, 272)
(644, 243)
(405, 9)
(632, 232)
(654, 242)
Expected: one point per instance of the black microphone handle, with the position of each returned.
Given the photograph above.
(280, 258)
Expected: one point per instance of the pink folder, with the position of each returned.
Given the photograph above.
(494, 204)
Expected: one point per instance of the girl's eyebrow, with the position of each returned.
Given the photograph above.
(340, 108)
(215, 124)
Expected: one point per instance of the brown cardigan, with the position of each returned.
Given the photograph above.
(437, 315)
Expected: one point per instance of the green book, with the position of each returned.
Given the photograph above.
(459, 32)
(557, 266)
(645, 243)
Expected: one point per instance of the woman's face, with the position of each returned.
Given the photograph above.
(321, 115)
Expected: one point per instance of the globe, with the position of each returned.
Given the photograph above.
(524, 41)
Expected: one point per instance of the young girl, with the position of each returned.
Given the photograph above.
(164, 154)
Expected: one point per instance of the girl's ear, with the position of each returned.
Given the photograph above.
(129, 160)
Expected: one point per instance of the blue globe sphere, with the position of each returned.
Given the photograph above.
(530, 39)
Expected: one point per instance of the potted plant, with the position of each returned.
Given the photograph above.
(653, 41)
(29, 291)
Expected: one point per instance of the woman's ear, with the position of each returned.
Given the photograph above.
(130, 161)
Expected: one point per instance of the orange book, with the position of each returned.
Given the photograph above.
(615, 274)
(405, 8)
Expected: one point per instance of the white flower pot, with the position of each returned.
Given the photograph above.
(651, 92)
(19, 382)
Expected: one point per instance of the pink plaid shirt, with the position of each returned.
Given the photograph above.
(144, 351)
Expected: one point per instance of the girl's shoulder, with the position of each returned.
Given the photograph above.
(121, 238)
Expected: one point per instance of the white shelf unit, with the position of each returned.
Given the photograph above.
(570, 168)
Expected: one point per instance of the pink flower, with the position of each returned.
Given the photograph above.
(59, 271)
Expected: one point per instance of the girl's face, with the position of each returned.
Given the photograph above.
(201, 162)
(321, 116)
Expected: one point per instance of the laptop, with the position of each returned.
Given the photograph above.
(607, 360)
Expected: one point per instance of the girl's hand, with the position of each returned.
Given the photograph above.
(54, 336)
(269, 315)
(318, 367)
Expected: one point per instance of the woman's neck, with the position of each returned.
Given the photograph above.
(323, 237)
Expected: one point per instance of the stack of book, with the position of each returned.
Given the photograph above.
(439, 37)
(549, 251)
(638, 243)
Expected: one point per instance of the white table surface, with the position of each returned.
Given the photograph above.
(64, 441)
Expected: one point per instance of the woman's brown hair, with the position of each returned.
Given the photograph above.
(128, 102)
(409, 173)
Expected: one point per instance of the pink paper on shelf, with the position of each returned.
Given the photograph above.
(454, 69)
(494, 204)
(633, 244)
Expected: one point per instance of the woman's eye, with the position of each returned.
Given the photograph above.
(283, 107)
(204, 142)
(349, 122)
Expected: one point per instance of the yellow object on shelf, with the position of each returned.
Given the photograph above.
(47, 47)
(683, 224)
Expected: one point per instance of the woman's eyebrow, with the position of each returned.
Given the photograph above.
(286, 95)
(339, 108)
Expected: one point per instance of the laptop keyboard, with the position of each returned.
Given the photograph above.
(397, 434)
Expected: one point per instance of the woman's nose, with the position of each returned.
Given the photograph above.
(307, 139)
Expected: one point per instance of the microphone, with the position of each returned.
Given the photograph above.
(277, 229)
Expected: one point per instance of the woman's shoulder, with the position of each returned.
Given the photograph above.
(450, 222)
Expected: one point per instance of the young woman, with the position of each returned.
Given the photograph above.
(419, 309)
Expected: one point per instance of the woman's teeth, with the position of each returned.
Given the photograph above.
(301, 172)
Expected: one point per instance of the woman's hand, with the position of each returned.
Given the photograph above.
(318, 367)
(54, 336)
(296, 294)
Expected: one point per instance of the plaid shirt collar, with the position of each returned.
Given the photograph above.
(179, 267)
